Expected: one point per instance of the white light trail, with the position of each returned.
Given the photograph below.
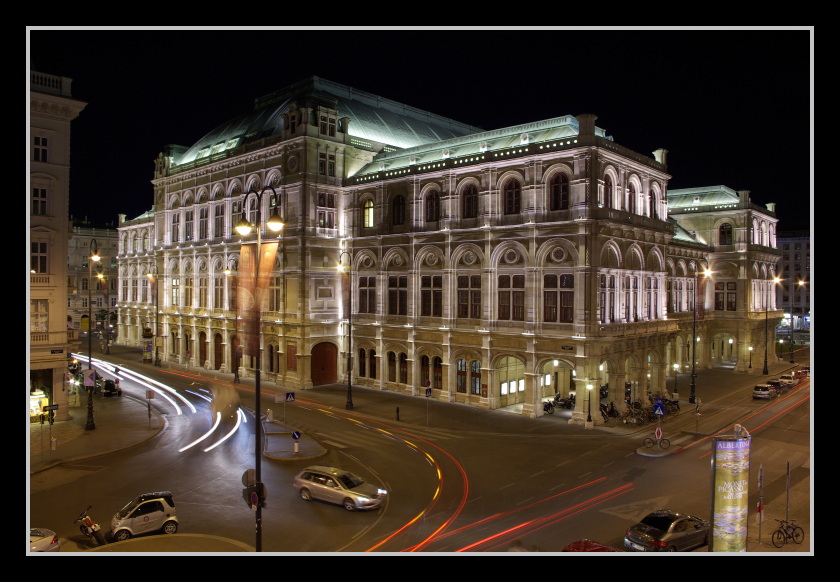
(205, 435)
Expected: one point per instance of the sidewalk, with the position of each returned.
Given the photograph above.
(122, 422)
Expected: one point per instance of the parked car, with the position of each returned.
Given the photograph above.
(42, 539)
(589, 546)
(146, 513)
(781, 387)
(338, 486)
(667, 531)
(806, 370)
(790, 379)
(110, 388)
(765, 391)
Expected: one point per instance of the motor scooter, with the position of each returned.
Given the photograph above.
(548, 406)
(89, 527)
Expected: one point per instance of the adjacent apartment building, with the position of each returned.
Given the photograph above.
(52, 108)
(423, 255)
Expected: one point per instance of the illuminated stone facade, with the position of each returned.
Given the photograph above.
(492, 267)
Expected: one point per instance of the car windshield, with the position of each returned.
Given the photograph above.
(660, 522)
(350, 480)
(128, 508)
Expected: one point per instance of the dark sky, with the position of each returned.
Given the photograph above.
(733, 107)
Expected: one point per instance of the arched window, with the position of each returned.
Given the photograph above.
(362, 362)
(403, 368)
(461, 376)
(398, 211)
(513, 197)
(368, 214)
(631, 199)
(725, 234)
(372, 362)
(608, 191)
(437, 373)
(559, 192)
(651, 205)
(469, 199)
(424, 372)
(392, 367)
(475, 377)
(433, 207)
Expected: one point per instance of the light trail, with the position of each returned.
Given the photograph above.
(205, 435)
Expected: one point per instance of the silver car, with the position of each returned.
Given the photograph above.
(338, 486)
(764, 391)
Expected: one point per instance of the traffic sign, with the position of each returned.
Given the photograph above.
(290, 396)
(296, 435)
(90, 377)
(658, 433)
(658, 410)
(51, 407)
(249, 477)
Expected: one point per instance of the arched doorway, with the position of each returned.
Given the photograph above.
(511, 374)
(202, 349)
(324, 364)
(217, 351)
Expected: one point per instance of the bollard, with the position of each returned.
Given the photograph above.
(398, 413)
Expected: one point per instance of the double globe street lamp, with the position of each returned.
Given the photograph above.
(243, 227)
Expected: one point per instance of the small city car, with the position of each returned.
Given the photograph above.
(338, 486)
(146, 513)
(667, 531)
(765, 391)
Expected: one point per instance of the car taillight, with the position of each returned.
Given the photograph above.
(54, 540)
(658, 543)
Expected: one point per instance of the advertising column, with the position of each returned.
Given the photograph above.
(730, 491)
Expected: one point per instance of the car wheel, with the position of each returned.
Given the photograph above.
(672, 549)
(170, 527)
(305, 495)
(349, 505)
(122, 535)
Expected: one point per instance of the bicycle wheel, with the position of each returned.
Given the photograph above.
(648, 442)
(664, 443)
(798, 534)
(778, 538)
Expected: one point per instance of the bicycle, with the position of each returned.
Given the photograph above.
(787, 531)
(651, 441)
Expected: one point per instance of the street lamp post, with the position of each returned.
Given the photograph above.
(751, 351)
(589, 406)
(766, 324)
(153, 276)
(244, 227)
(692, 397)
(349, 404)
(94, 256)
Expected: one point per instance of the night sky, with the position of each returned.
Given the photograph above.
(733, 107)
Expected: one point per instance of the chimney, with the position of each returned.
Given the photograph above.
(586, 124)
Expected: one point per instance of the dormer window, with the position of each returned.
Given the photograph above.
(327, 126)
